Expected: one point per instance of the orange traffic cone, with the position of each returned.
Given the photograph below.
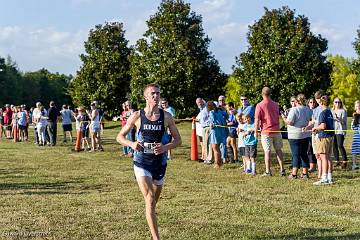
(78, 141)
(194, 146)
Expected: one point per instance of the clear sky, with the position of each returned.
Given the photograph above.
(50, 33)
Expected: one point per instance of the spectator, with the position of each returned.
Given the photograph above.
(241, 142)
(340, 118)
(66, 122)
(315, 123)
(166, 107)
(41, 126)
(267, 119)
(53, 115)
(95, 128)
(8, 120)
(231, 138)
(83, 120)
(123, 123)
(131, 134)
(246, 108)
(216, 134)
(312, 104)
(1, 122)
(35, 119)
(355, 125)
(250, 145)
(22, 122)
(297, 120)
(324, 142)
(222, 108)
(201, 104)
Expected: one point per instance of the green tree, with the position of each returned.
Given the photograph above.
(174, 54)
(344, 82)
(283, 54)
(356, 62)
(10, 82)
(45, 86)
(232, 89)
(104, 75)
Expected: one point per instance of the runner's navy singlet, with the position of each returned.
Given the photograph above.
(151, 132)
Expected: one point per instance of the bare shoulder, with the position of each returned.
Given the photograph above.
(168, 118)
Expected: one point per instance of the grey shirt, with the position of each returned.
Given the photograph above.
(299, 118)
(339, 121)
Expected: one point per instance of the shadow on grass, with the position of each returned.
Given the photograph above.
(66, 187)
(313, 233)
(112, 126)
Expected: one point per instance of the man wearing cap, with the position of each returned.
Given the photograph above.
(53, 114)
(150, 150)
(246, 108)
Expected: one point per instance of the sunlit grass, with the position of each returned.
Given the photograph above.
(60, 194)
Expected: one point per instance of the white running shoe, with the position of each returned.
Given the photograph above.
(322, 182)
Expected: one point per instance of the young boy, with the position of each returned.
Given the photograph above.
(241, 143)
(325, 141)
(250, 145)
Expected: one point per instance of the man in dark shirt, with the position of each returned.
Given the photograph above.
(53, 114)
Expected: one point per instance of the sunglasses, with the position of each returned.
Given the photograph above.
(243, 99)
(337, 102)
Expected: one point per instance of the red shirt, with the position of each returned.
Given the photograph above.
(267, 113)
(123, 118)
(8, 116)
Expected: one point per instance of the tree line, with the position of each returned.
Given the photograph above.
(28, 88)
(282, 53)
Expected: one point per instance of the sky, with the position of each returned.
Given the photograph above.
(51, 33)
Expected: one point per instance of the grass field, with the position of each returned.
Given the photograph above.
(55, 193)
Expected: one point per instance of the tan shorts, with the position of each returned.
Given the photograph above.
(313, 142)
(324, 145)
(272, 139)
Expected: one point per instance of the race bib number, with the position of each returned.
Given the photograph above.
(149, 147)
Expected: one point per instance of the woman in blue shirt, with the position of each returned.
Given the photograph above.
(217, 131)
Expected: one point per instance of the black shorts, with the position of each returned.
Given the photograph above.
(22, 127)
(67, 127)
(250, 151)
(233, 134)
(85, 133)
(241, 151)
(8, 127)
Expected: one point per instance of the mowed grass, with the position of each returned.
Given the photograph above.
(55, 193)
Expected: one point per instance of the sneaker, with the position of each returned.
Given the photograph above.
(321, 182)
(292, 177)
(312, 170)
(248, 171)
(266, 174)
(355, 167)
(330, 181)
(207, 162)
(282, 173)
(305, 176)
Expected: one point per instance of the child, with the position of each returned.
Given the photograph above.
(241, 143)
(22, 122)
(250, 145)
(355, 125)
(84, 119)
(324, 141)
(231, 138)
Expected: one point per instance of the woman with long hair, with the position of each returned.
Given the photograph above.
(339, 114)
